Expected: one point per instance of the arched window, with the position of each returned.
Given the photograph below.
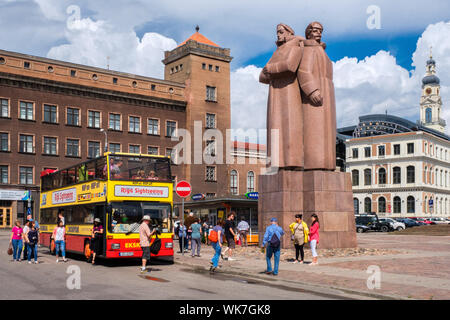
(397, 175)
(428, 115)
(234, 182)
(436, 177)
(441, 180)
(425, 204)
(410, 174)
(250, 181)
(382, 176)
(355, 177)
(367, 205)
(397, 205)
(367, 177)
(425, 180)
(381, 205)
(356, 205)
(411, 205)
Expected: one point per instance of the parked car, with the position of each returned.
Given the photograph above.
(409, 223)
(362, 228)
(396, 225)
(419, 221)
(438, 220)
(372, 221)
(426, 221)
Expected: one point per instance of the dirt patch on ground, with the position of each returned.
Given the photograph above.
(431, 230)
(289, 254)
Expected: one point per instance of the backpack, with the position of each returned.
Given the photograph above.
(33, 237)
(274, 242)
(213, 236)
(156, 245)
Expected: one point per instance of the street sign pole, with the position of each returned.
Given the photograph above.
(182, 223)
(183, 189)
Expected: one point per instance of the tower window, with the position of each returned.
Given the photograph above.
(114, 80)
(217, 69)
(428, 115)
(210, 67)
(203, 66)
(26, 65)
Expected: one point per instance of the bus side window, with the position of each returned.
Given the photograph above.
(71, 179)
(99, 168)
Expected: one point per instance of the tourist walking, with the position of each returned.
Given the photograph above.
(314, 238)
(216, 238)
(230, 236)
(205, 229)
(243, 229)
(59, 236)
(300, 232)
(196, 238)
(144, 237)
(96, 238)
(272, 238)
(17, 241)
(32, 239)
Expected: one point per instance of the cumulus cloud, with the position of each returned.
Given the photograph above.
(92, 42)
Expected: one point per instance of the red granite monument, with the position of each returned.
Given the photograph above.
(302, 110)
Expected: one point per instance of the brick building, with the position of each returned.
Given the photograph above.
(55, 114)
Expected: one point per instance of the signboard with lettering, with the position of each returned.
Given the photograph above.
(198, 196)
(141, 191)
(14, 194)
(64, 196)
(252, 195)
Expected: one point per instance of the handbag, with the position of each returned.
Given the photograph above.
(10, 250)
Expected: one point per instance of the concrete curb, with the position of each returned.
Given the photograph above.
(307, 286)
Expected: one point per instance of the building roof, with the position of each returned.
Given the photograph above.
(383, 124)
(197, 36)
(249, 146)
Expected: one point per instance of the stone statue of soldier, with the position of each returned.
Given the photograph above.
(284, 106)
(315, 77)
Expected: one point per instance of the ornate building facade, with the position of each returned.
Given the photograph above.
(400, 168)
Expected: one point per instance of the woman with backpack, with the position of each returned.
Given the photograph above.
(31, 238)
(215, 237)
(314, 237)
(59, 236)
(16, 241)
(300, 233)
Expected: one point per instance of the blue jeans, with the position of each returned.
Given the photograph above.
(276, 257)
(60, 245)
(17, 248)
(32, 248)
(218, 250)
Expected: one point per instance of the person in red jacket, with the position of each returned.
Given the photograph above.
(314, 237)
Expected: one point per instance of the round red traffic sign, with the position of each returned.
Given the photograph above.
(183, 189)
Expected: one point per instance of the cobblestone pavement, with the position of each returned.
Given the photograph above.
(412, 267)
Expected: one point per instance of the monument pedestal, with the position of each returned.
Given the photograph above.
(325, 193)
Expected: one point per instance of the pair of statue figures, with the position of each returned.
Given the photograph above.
(301, 103)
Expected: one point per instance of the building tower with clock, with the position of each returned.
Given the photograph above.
(431, 102)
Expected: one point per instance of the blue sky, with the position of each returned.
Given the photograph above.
(374, 69)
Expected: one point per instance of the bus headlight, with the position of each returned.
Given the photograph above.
(115, 245)
(169, 245)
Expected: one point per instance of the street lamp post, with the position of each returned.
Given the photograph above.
(106, 139)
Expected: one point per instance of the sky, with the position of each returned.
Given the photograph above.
(378, 48)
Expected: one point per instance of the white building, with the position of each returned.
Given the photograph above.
(400, 168)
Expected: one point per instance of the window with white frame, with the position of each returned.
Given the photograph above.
(210, 121)
(153, 126)
(73, 148)
(233, 182)
(250, 181)
(26, 175)
(26, 111)
(4, 105)
(114, 121)
(26, 143)
(134, 124)
(50, 145)
(210, 93)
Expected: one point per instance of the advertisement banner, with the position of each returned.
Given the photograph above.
(141, 191)
(14, 194)
(64, 196)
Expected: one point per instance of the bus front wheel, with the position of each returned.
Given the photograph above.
(87, 250)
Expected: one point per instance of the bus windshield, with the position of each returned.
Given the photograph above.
(123, 167)
(126, 216)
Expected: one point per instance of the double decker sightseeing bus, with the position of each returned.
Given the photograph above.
(117, 188)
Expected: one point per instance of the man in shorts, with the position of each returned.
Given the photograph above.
(144, 236)
(230, 235)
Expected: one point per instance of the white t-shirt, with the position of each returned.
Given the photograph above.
(59, 234)
(26, 229)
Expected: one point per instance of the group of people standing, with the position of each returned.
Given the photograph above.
(300, 235)
(25, 240)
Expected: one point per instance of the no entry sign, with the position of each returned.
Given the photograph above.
(183, 189)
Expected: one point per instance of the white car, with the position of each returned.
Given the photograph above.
(439, 220)
(396, 225)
